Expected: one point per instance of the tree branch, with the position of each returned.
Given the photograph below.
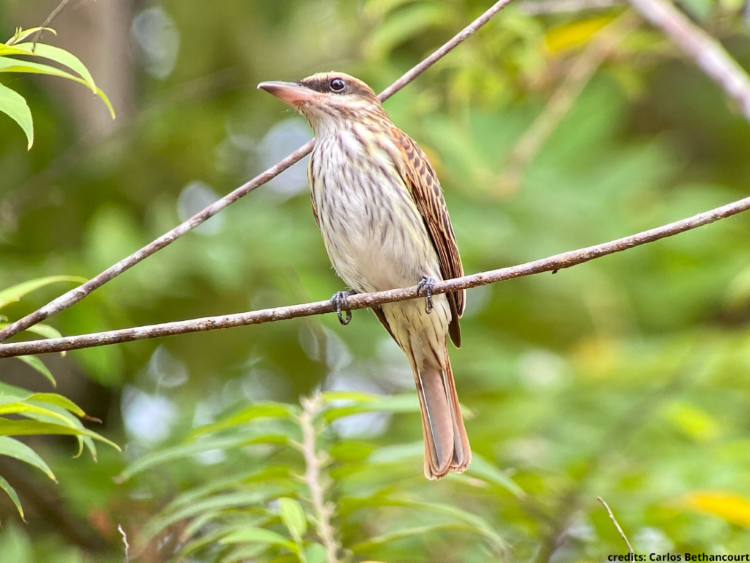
(50, 18)
(617, 526)
(705, 51)
(79, 293)
(364, 300)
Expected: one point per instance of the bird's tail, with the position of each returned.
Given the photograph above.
(446, 443)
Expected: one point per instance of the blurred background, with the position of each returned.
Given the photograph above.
(625, 378)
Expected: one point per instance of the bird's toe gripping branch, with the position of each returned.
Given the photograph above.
(338, 300)
(425, 284)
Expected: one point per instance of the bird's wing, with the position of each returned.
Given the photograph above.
(420, 178)
(378, 310)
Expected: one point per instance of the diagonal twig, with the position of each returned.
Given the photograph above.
(53, 14)
(705, 51)
(79, 293)
(617, 525)
(364, 300)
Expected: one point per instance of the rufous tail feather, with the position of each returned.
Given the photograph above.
(446, 443)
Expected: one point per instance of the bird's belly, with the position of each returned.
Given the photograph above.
(375, 237)
(379, 255)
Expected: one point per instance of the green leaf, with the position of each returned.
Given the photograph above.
(22, 394)
(245, 553)
(482, 468)
(41, 329)
(39, 366)
(16, 292)
(401, 533)
(263, 475)
(14, 105)
(13, 65)
(14, 405)
(60, 56)
(18, 450)
(259, 535)
(4, 485)
(249, 414)
(44, 330)
(315, 553)
(229, 501)
(191, 449)
(331, 396)
(293, 517)
(33, 427)
(58, 400)
(213, 537)
(399, 452)
(406, 402)
(475, 523)
(22, 34)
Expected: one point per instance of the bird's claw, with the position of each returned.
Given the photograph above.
(426, 284)
(339, 299)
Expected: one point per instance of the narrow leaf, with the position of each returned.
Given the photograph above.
(16, 292)
(39, 366)
(249, 414)
(482, 468)
(33, 427)
(316, 553)
(41, 329)
(13, 65)
(4, 485)
(14, 105)
(401, 533)
(22, 34)
(406, 402)
(259, 535)
(293, 517)
(58, 400)
(188, 450)
(18, 450)
(60, 56)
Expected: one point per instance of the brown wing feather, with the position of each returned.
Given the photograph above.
(422, 181)
(378, 310)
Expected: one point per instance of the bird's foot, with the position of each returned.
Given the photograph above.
(339, 298)
(426, 284)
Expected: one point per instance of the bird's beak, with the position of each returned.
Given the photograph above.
(288, 92)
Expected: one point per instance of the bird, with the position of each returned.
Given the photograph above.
(380, 209)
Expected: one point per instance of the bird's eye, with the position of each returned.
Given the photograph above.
(337, 85)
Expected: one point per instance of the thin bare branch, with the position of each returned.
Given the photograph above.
(315, 480)
(53, 14)
(617, 525)
(79, 293)
(364, 300)
(705, 51)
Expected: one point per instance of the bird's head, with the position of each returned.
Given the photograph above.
(328, 99)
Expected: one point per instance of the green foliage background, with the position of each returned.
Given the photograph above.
(624, 378)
